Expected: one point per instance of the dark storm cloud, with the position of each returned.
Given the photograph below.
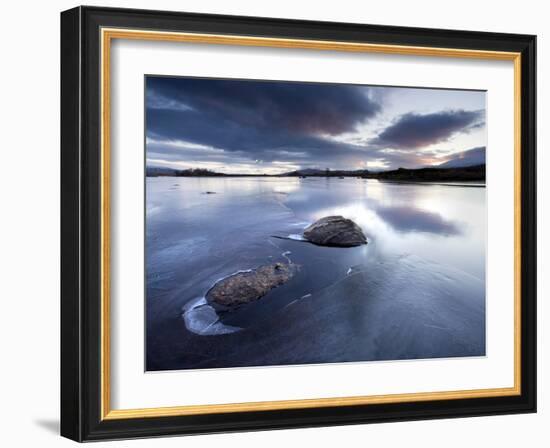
(301, 108)
(260, 120)
(218, 131)
(411, 131)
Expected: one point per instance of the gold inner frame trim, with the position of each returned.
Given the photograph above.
(107, 35)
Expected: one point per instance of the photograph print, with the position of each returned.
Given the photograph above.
(292, 223)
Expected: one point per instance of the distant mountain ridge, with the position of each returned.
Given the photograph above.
(428, 174)
(472, 157)
(474, 173)
(314, 172)
(155, 171)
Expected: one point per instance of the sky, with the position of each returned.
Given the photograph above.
(272, 127)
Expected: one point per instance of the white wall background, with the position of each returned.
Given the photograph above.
(29, 236)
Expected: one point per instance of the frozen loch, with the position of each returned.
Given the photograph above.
(416, 290)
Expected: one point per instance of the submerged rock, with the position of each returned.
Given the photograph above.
(335, 231)
(248, 286)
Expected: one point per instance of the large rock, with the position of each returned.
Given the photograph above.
(335, 231)
(245, 287)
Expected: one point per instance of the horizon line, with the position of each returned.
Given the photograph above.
(318, 170)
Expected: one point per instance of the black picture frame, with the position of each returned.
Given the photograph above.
(81, 381)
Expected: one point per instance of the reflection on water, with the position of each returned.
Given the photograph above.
(417, 290)
(410, 219)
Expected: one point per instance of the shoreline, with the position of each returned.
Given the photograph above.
(478, 183)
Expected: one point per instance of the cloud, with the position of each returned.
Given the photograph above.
(191, 154)
(258, 120)
(302, 108)
(262, 126)
(413, 131)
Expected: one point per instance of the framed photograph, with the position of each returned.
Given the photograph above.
(276, 224)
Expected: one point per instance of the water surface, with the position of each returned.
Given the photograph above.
(417, 290)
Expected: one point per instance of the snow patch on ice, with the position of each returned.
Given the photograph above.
(200, 318)
(296, 237)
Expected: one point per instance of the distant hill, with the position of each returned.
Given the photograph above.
(306, 172)
(427, 174)
(434, 174)
(193, 172)
(472, 157)
(154, 171)
(312, 172)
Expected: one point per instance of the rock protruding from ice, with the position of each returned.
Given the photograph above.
(248, 286)
(335, 231)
